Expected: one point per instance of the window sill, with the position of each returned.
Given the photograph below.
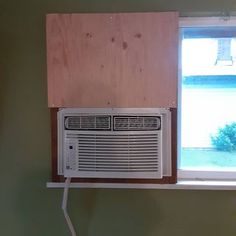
(181, 184)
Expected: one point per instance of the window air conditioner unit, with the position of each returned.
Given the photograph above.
(127, 143)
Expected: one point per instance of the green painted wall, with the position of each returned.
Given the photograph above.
(26, 206)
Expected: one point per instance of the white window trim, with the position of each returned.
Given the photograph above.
(183, 185)
(199, 174)
(207, 21)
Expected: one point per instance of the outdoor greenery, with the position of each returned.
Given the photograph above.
(225, 139)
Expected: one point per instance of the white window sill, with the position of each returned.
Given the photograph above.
(181, 184)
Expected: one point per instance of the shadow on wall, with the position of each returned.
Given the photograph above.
(1, 99)
(3, 78)
(93, 212)
(126, 212)
(39, 209)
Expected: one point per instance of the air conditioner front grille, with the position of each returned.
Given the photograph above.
(136, 123)
(117, 153)
(88, 123)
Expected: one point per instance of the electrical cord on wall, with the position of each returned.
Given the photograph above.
(64, 207)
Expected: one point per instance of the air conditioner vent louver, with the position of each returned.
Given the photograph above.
(137, 123)
(88, 122)
(72, 122)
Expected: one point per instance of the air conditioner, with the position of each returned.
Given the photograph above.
(114, 143)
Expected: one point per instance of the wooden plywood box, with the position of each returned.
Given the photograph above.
(112, 60)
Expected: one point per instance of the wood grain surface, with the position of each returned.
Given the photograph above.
(112, 60)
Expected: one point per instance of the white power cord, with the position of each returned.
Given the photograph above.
(64, 207)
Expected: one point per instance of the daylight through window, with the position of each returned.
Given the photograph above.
(208, 98)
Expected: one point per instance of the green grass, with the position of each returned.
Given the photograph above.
(205, 158)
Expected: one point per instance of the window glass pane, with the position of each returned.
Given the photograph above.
(208, 103)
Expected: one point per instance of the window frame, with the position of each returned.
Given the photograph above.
(199, 174)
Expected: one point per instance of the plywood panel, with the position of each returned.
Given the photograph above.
(112, 60)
